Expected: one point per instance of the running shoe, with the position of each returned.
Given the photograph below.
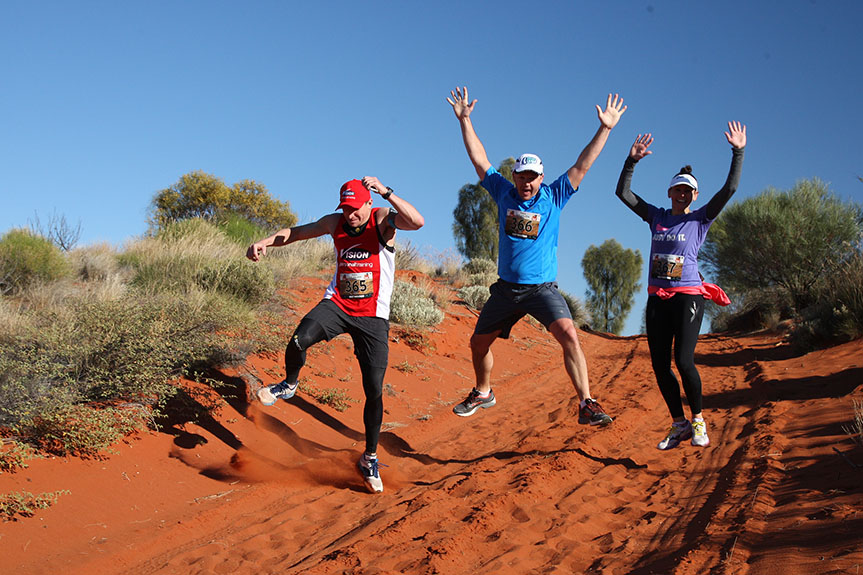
(593, 414)
(368, 467)
(474, 402)
(699, 433)
(677, 433)
(272, 393)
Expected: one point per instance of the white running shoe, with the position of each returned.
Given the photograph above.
(678, 432)
(368, 467)
(268, 395)
(699, 433)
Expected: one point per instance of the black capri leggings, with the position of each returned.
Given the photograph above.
(678, 320)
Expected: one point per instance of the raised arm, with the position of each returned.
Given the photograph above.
(462, 107)
(322, 227)
(638, 151)
(405, 217)
(608, 119)
(736, 136)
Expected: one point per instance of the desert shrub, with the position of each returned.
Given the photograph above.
(845, 291)
(15, 456)
(855, 428)
(240, 229)
(83, 430)
(481, 279)
(205, 196)
(411, 305)
(480, 265)
(474, 296)
(788, 252)
(191, 254)
(94, 263)
(751, 310)
(580, 315)
(300, 259)
(336, 397)
(26, 504)
(95, 350)
(408, 257)
(26, 258)
(445, 264)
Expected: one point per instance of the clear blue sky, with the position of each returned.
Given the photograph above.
(105, 103)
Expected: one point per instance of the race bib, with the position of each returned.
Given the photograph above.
(666, 267)
(358, 285)
(522, 224)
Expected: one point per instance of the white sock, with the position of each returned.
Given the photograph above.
(484, 395)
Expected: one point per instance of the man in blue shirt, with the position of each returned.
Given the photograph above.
(528, 226)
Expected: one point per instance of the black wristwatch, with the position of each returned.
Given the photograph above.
(387, 195)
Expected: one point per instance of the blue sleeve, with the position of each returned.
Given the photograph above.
(495, 184)
(561, 190)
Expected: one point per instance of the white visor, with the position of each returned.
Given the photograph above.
(685, 179)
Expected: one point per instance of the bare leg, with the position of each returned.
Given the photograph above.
(483, 360)
(565, 333)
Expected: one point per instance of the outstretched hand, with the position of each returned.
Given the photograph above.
(614, 109)
(736, 134)
(460, 103)
(640, 147)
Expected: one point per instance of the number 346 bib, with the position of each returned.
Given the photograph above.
(522, 224)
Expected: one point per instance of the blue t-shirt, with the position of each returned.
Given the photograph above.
(674, 246)
(528, 230)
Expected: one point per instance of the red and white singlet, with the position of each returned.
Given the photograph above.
(365, 270)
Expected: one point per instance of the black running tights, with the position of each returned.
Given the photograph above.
(310, 332)
(675, 320)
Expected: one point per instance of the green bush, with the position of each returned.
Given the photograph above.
(481, 265)
(194, 254)
(411, 305)
(83, 430)
(26, 258)
(240, 230)
(580, 315)
(94, 350)
(804, 235)
(26, 504)
(474, 296)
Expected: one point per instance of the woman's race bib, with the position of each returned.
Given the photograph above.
(666, 267)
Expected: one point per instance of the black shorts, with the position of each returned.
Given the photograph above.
(510, 302)
(369, 334)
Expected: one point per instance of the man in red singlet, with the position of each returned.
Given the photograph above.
(356, 302)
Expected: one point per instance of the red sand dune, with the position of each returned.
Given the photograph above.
(520, 488)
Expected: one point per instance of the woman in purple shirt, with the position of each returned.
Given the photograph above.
(675, 306)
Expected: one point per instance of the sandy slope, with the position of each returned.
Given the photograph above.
(519, 488)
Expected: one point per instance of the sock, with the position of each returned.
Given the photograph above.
(584, 401)
(483, 395)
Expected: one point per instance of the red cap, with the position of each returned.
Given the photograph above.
(353, 194)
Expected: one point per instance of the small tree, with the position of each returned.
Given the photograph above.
(58, 230)
(793, 239)
(201, 195)
(612, 274)
(476, 220)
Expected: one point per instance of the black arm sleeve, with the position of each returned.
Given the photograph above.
(718, 201)
(627, 196)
